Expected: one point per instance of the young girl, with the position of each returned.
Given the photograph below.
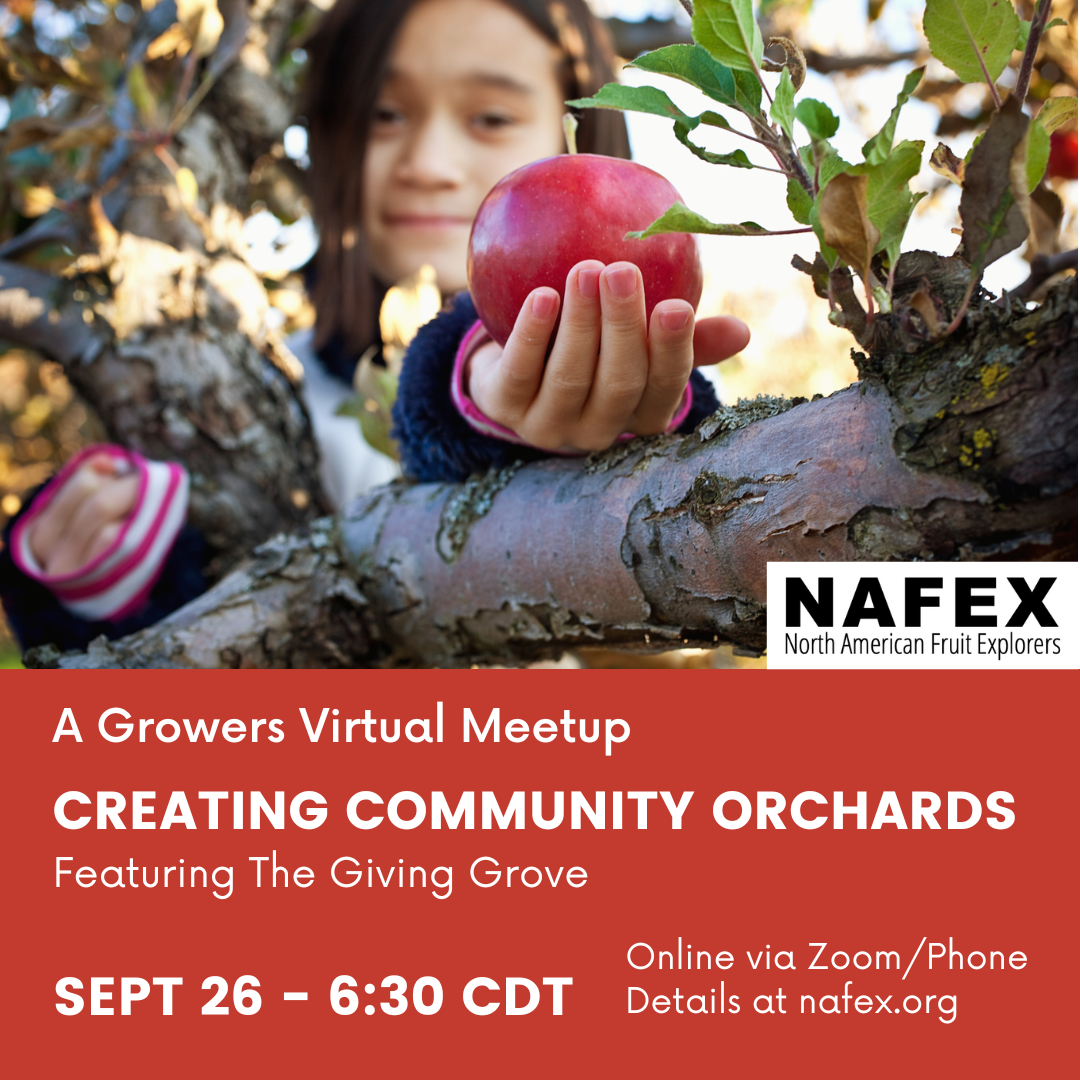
(452, 95)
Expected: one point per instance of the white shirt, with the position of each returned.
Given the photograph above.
(349, 466)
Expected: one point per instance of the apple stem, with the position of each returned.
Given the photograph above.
(570, 126)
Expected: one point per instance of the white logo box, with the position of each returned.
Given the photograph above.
(942, 615)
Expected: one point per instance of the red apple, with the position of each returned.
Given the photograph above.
(536, 223)
(1062, 155)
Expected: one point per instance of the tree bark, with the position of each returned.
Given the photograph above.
(965, 450)
(160, 323)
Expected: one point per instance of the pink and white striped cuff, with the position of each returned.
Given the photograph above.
(479, 421)
(118, 581)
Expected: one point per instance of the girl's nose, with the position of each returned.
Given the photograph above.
(432, 157)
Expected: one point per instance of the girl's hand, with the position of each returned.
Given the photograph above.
(607, 373)
(86, 515)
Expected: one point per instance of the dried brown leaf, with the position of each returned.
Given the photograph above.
(923, 302)
(1047, 212)
(995, 206)
(28, 131)
(173, 41)
(844, 222)
(203, 23)
(91, 130)
(94, 129)
(35, 200)
(794, 61)
(945, 163)
(104, 231)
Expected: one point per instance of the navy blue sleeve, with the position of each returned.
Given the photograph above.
(705, 402)
(435, 441)
(36, 617)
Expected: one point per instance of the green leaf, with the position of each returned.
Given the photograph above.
(648, 99)
(799, 201)
(1025, 31)
(1056, 112)
(681, 219)
(713, 119)
(826, 164)
(729, 32)
(783, 106)
(823, 169)
(140, 93)
(736, 158)
(971, 149)
(747, 93)
(879, 147)
(832, 259)
(817, 118)
(889, 199)
(643, 99)
(373, 409)
(692, 64)
(1038, 155)
(973, 37)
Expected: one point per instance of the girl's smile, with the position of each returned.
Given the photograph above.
(426, 221)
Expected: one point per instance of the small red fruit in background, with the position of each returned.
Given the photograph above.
(539, 221)
(1062, 155)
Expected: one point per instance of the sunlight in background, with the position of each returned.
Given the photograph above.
(794, 350)
(275, 248)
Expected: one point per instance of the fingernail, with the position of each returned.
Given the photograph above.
(544, 305)
(588, 283)
(674, 320)
(623, 282)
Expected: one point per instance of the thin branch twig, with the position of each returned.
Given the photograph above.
(185, 82)
(757, 75)
(825, 64)
(1038, 25)
(1042, 268)
(962, 311)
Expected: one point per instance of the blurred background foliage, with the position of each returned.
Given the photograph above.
(70, 96)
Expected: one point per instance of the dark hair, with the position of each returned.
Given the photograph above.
(348, 57)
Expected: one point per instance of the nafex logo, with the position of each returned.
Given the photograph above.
(921, 615)
(869, 601)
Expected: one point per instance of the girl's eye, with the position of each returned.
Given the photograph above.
(387, 116)
(492, 121)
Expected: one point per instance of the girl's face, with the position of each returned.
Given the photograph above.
(471, 93)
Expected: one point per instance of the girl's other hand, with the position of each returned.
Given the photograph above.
(607, 373)
(86, 515)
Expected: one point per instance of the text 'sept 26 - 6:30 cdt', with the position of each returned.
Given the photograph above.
(162, 995)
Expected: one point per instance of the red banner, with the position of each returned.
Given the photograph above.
(649, 873)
